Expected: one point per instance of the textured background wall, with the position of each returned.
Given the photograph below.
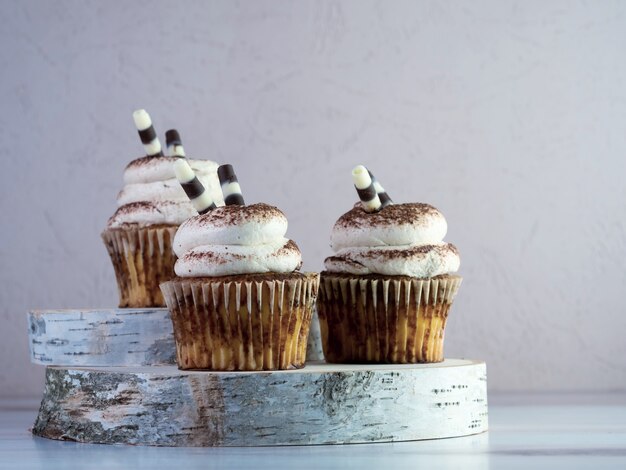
(509, 117)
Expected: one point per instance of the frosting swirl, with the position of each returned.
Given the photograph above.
(235, 240)
(152, 195)
(401, 239)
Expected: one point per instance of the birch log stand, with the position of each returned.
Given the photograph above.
(320, 404)
(104, 385)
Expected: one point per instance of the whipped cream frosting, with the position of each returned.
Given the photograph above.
(401, 239)
(235, 240)
(152, 195)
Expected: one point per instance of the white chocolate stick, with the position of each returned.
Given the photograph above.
(196, 192)
(385, 200)
(147, 134)
(365, 189)
(230, 187)
(173, 144)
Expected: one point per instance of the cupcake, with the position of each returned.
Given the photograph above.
(386, 293)
(151, 206)
(238, 301)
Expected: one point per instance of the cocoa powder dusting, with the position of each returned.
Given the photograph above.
(251, 277)
(408, 253)
(145, 161)
(287, 249)
(409, 213)
(234, 214)
(134, 206)
(390, 254)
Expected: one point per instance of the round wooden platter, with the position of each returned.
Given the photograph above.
(320, 404)
(112, 337)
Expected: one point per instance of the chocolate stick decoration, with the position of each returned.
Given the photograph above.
(365, 189)
(173, 144)
(196, 192)
(147, 134)
(385, 200)
(230, 187)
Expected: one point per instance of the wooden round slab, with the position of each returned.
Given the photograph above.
(320, 404)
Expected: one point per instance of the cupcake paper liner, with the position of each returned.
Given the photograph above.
(384, 319)
(242, 322)
(142, 259)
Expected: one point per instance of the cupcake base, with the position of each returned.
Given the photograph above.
(142, 258)
(243, 322)
(384, 319)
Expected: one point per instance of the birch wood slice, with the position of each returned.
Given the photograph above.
(113, 337)
(101, 337)
(320, 404)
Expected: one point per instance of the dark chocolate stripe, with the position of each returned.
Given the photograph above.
(172, 137)
(147, 135)
(226, 174)
(385, 200)
(210, 208)
(234, 199)
(193, 188)
(366, 194)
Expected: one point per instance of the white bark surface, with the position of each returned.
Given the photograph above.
(314, 350)
(101, 337)
(320, 404)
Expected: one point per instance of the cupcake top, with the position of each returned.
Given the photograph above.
(153, 196)
(398, 240)
(397, 224)
(380, 237)
(235, 239)
(151, 193)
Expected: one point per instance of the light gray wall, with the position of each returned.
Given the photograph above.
(509, 117)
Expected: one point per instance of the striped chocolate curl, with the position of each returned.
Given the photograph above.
(230, 187)
(147, 134)
(173, 144)
(365, 189)
(385, 200)
(196, 192)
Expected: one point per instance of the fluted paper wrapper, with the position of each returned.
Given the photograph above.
(242, 323)
(392, 319)
(142, 259)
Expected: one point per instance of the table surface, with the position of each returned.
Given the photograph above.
(526, 431)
